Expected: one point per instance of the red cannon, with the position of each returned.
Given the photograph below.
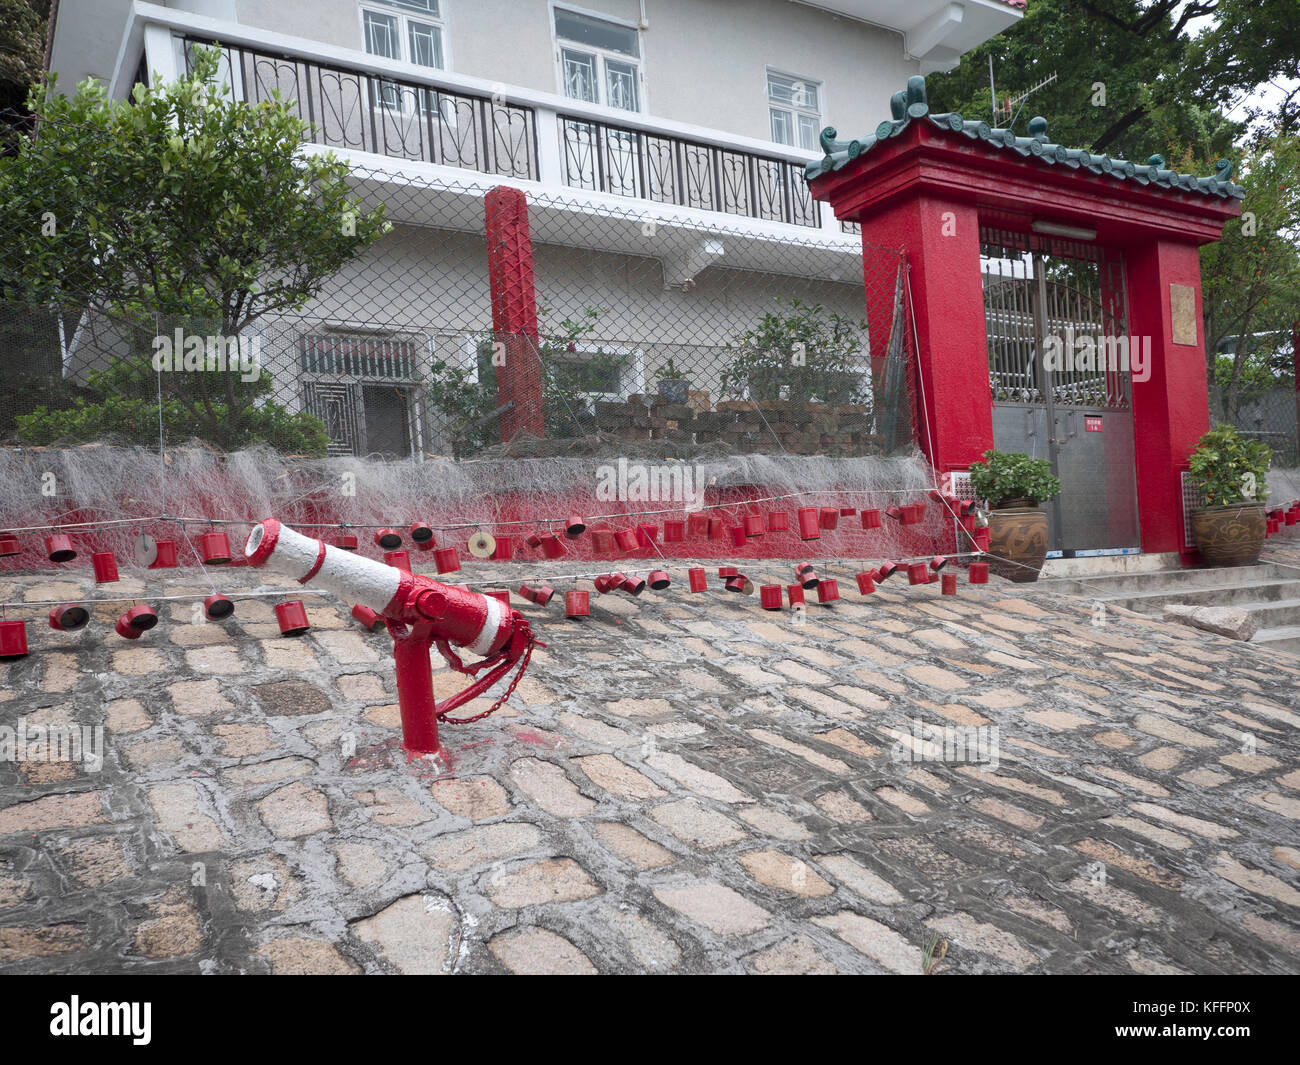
(419, 613)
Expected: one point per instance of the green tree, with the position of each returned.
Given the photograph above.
(22, 49)
(177, 207)
(801, 353)
(1251, 279)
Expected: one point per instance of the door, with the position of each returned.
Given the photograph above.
(1061, 388)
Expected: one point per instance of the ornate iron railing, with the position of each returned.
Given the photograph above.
(630, 162)
(388, 116)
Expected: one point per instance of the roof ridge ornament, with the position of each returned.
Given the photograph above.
(912, 104)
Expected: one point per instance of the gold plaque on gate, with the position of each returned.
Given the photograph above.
(1182, 311)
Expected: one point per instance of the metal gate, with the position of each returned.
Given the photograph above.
(1061, 388)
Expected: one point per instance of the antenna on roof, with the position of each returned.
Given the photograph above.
(1015, 103)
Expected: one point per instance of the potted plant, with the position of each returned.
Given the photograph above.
(674, 385)
(1229, 470)
(1013, 485)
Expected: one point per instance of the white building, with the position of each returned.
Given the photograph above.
(661, 144)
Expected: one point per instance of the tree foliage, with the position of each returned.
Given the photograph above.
(178, 207)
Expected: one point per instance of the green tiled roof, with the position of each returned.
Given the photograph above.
(911, 105)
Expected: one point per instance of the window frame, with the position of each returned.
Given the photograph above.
(601, 56)
(404, 16)
(793, 111)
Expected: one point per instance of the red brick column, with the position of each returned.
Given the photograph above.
(514, 311)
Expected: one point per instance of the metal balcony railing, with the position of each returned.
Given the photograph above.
(405, 119)
(630, 162)
(388, 116)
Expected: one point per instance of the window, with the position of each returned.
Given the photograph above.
(411, 38)
(599, 60)
(794, 107)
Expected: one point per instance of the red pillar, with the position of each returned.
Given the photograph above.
(1171, 410)
(514, 311)
(1295, 362)
(951, 397)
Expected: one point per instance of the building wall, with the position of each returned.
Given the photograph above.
(691, 51)
(432, 286)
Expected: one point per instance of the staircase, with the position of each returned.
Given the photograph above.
(1271, 592)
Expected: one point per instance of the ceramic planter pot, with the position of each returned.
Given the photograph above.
(1231, 535)
(1017, 541)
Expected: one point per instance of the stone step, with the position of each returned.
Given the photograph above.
(1246, 592)
(1280, 638)
(1278, 613)
(1136, 583)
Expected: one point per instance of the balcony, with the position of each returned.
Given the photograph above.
(362, 108)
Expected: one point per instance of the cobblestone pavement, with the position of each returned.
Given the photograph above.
(683, 783)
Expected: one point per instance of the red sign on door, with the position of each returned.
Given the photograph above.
(1092, 425)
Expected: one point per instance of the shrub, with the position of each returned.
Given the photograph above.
(1228, 468)
(1005, 475)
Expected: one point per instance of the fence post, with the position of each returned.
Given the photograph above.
(514, 311)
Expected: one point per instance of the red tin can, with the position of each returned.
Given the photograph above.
(166, 558)
(105, 566)
(794, 592)
(918, 573)
(737, 533)
(979, 573)
(372, 621)
(59, 548)
(698, 578)
(13, 639)
(446, 560)
(505, 549)
(828, 591)
(806, 574)
(830, 518)
(949, 585)
(626, 540)
(422, 533)
(866, 584)
(770, 596)
(69, 617)
(809, 526)
(716, 531)
(217, 606)
(697, 523)
(602, 542)
(577, 604)
(214, 549)
(292, 617)
(871, 519)
(541, 595)
(388, 539)
(778, 521)
(754, 525)
(658, 580)
(674, 532)
(398, 559)
(345, 542)
(575, 526)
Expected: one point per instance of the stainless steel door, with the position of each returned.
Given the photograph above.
(1041, 300)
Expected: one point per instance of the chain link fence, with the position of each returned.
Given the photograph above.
(673, 335)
